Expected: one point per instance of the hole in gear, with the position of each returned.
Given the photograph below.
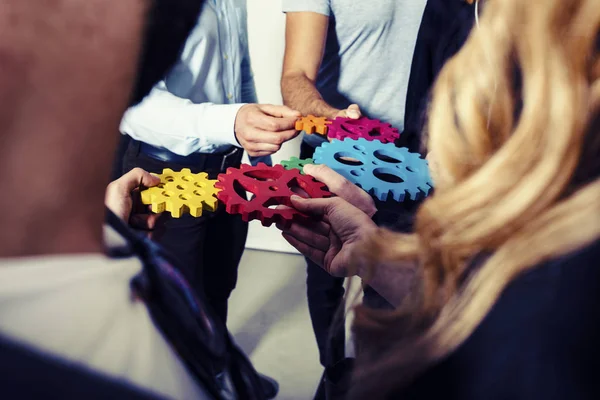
(187, 178)
(184, 197)
(243, 192)
(198, 193)
(347, 159)
(296, 187)
(168, 194)
(409, 169)
(273, 188)
(169, 178)
(199, 184)
(375, 132)
(387, 175)
(180, 187)
(356, 172)
(358, 147)
(384, 156)
(264, 176)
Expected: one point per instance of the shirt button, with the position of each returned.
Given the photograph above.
(225, 56)
(229, 96)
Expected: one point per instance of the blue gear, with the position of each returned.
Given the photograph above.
(382, 170)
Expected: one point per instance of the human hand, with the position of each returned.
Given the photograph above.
(331, 242)
(342, 187)
(261, 129)
(352, 112)
(119, 197)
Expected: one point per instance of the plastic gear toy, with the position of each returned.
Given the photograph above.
(269, 187)
(383, 170)
(311, 124)
(369, 129)
(297, 163)
(181, 192)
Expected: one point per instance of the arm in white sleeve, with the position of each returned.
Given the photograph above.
(179, 125)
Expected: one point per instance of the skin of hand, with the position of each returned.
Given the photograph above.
(120, 195)
(352, 112)
(342, 187)
(261, 129)
(330, 243)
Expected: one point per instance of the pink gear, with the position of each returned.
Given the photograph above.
(269, 186)
(369, 129)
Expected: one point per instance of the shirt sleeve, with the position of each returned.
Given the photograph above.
(248, 85)
(174, 123)
(318, 6)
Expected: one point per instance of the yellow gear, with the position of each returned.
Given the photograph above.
(181, 192)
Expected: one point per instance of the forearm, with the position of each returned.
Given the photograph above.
(167, 120)
(395, 283)
(300, 93)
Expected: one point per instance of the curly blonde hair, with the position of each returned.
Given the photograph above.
(515, 129)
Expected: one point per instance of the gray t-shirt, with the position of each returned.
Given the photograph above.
(368, 53)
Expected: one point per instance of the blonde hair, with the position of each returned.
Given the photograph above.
(515, 126)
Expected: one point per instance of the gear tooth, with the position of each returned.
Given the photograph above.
(185, 171)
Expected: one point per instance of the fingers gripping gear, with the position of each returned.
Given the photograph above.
(369, 129)
(383, 170)
(297, 163)
(311, 124)
(181, 192)
(268, 187)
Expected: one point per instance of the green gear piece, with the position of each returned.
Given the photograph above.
(297, 163)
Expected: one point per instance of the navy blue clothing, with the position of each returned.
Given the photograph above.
(444, 29)
(540, 340)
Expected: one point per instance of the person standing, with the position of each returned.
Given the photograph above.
(338, 58)
(202, 116)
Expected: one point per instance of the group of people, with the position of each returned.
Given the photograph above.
(487, 289)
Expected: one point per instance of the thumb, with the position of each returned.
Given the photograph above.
(280, 111)
(148, 180)
(314, 207)
(353, 111)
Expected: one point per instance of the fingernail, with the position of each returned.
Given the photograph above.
(295, 198)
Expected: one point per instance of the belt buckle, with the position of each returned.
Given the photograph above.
(226, 157)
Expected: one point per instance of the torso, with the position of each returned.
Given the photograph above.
(538, 342)
(81, 309)
(368, 56)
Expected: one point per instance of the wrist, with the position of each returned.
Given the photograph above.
(322, 109)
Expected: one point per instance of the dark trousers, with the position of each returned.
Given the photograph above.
(208, 248)
(325, 295)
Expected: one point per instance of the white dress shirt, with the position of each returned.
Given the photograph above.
(194, 108)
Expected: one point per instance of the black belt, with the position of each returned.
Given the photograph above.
(201, 161)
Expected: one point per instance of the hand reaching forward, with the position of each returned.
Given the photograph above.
(119, 197)
(342, 187)
(262, 129)
(330, 243)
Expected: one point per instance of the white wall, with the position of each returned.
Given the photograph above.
(266, 30)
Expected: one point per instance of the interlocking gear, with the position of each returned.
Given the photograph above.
(269, 187)
(311, 124)
(369, 129)
(297, 163)
(181, 192)
(382, 170)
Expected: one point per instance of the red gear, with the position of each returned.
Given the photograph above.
(270, 186)
(369, 129)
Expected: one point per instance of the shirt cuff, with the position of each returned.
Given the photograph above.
(217, 125)
(318, 6)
